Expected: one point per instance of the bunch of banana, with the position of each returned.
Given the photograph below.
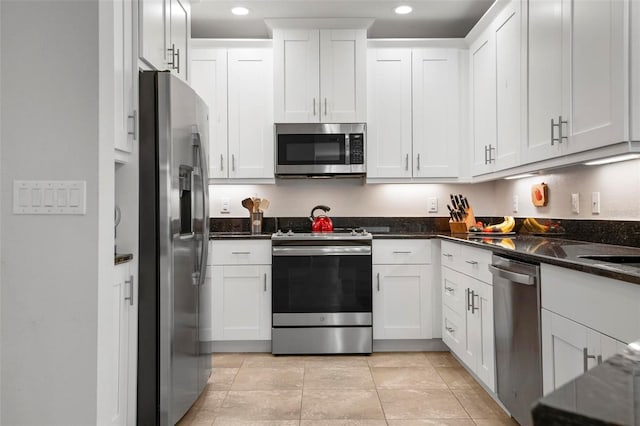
(532, 226)
(505, 226)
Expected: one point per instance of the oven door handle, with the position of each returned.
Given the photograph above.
(322, 251)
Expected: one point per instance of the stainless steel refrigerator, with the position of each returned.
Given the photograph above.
(174, 233)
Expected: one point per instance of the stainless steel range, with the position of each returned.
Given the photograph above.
(321, 293)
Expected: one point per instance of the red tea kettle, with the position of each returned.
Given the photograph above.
(321, 223)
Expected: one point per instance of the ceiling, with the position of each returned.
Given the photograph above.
(430, 18)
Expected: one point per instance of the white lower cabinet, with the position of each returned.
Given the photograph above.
(238, 287)
(123, 345)
(575, 336)
(403, 291)
(401, 297)
(569, 349)
(468, 322)
(467, 311)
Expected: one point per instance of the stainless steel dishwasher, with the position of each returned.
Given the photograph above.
(516, 314)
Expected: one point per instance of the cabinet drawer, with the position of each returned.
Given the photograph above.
(401, 252)
(454, 291)
(467, 260)
(246, 252)
(453, 331)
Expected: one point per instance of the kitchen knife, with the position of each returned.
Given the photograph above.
(450, 212)
(461, 198)
(453, 201)
(458, 203)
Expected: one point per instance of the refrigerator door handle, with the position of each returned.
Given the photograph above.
(202, 163)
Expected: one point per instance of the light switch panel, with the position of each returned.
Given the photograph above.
(49, 197)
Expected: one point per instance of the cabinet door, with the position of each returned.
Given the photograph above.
(483, 332)
(297, 78)
(510, 62)
(389, 113)
(342, 76)
(598, 74)
(453, 331)
(152, 40)
(119, 345)
(563, 345)
(436, 112)
(483, 102)
(241, 302)
(250, 113)
(547, 23)
(124, 75)
(209, 80)
(402, 298)
(178, 37)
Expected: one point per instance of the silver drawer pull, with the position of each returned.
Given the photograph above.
(402, 252)
(265, 281)
(447, 255)
(378, 281)
(240, 252)
(450, 330)
(130, 297)
(471, 262)
(449, 289)
(586, 357)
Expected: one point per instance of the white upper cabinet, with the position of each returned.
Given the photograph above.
(577, 77)
(436, 112)
(389, 140)
(164, 35)
(319, 75)
(250, 103)
(237, 85)
(124, 80)
(209, 80)
(497, 59)
(414, 115)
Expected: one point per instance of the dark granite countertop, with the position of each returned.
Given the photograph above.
(122, 258)
(608, 394)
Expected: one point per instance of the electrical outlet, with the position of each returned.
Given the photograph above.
(575, 202)
(224, 205)
(515, 204)
(433, 204)
(595, 203)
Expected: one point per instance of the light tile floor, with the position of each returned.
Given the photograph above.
(394, 389)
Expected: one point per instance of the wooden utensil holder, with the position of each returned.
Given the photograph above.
(462, 227)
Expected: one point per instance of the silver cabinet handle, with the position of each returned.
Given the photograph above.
(446, 255)
(134, 118)
(402, 252)
(491, 149)
(553, 139)
(172, 63)
(130, 297)
(560, 123)
(449, 289)
(467, 293)
(240, 252)
(325, 106)
(233, 162)
(418, 165)
(221, 162)
(314, 107)
(471, 262)
(485, 154)
(265, 281)
(586, 357)
(378, 279)
(450, 329)
(599, 359)
(178, 61)
(406, 162)
(474, 308)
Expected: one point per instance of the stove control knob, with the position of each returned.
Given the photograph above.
(279, 233)
(290, 233)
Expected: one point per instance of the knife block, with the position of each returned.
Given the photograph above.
(462, 227)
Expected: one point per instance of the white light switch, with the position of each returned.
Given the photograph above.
(433, 204)
(49, 197)
(575, 202)
(224, 205)
(515, 204)
(595, 203)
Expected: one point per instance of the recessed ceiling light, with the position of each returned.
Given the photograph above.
(403, 10)
(240, 11)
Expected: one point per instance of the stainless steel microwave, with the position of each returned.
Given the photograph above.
(314, 149)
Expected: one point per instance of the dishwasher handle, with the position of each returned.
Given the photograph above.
(513, 276)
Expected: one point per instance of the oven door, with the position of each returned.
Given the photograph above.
(321, 286)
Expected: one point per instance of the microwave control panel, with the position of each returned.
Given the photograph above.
(356, 148)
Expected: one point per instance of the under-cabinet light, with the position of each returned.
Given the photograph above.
(612, 159)
(524, 175)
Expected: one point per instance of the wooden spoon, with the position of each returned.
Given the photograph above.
(264, 204)
(247, 203)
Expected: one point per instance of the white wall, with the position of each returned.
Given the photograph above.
(349, 197)
(49, 104)
(618, 184)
